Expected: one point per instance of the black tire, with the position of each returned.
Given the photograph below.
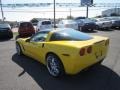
(54, 65)
(18, 49)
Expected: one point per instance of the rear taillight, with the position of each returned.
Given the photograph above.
(9, 30)
(82, 51)
(107, 42)
(89, 49)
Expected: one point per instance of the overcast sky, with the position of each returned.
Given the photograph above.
(26, 16)
(62, 1)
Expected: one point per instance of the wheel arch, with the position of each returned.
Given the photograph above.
(21, 46)
(51, 53)
(55, 55)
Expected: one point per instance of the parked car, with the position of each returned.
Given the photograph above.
(5, 31)
(103, 23)
(86, 24)
(78, 18)
(68, 24)
(26, 29)
(44, 24)
(64, 50)
(115, 21)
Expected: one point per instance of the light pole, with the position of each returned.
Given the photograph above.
(70, 13)
(87, 9)
(2, 10)
(54, 15)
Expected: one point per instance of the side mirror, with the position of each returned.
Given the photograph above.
(27, 40)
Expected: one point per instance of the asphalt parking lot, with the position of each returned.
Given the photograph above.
(23, 73)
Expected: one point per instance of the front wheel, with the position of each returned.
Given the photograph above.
(54, 65)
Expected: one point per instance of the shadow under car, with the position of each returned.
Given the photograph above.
(98, 77)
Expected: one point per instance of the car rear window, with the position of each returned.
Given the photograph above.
(46, 22)
(70, 35)
(25, 24)
(71, 21)
(4, 26)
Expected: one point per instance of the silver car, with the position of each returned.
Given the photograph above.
(103, 23)
(68, 24)
(44, 24)
(115, 21)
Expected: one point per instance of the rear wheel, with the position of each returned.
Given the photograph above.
(54, 65)
(18, 49)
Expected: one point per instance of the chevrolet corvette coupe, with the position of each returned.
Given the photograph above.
(64, 50)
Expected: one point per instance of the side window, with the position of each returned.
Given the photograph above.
(40, 37)
(55, 37)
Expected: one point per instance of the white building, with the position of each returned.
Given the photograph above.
(111, 11)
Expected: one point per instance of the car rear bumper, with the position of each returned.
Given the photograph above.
(87, 27)
(6, 34)
(116, 25)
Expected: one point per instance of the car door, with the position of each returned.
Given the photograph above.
(35, 47)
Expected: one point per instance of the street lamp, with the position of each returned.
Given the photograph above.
(54, 15)
(2, 10)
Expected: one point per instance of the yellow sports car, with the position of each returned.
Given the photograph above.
(64, 50)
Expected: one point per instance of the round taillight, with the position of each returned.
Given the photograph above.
(89, 49)
(82, 51)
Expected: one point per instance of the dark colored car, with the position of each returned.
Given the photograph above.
(26, 29)
(5, 31)
(86, 24)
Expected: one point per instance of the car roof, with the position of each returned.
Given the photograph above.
(55, 29)
(45, 20)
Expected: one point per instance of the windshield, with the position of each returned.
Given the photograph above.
(113, 18)
(69, 21)
(86, 20)
(4, 26)
(102, 19)
(70, 35)
(46, 23)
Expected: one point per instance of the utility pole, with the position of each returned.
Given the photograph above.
(2, 10)
(70, 13)
(54, 15)
(87, 9)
